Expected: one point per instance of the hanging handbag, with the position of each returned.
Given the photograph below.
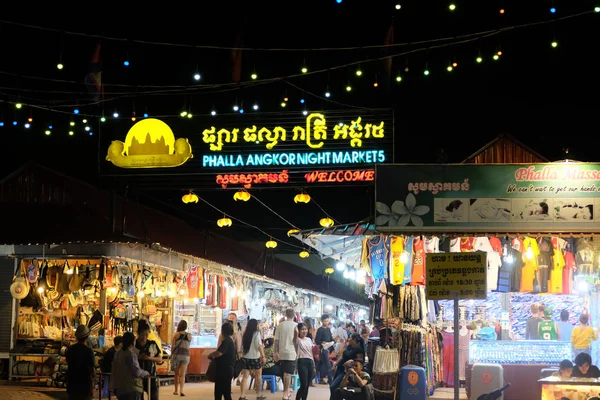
(76, 280)
(238, 366)
(64, 278)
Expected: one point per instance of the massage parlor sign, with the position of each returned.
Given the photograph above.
(244, 150)
(488, 198)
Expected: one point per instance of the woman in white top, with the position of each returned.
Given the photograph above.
(306, 363)
(254, 358)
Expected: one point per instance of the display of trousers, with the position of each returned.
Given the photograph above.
(448, 358)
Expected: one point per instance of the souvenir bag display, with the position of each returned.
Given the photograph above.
(64, 278)
(19, 289)
(385, 368)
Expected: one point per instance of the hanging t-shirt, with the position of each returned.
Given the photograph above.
(455, 245)
(378, 256)
(556, 274)
(192, 282)
(493, 261)
(528, 275)
(512, 262)
(496, 245)
(408, 249)
(466, 244)
(418, 268)
(396, 265)
(518, 245)
(544, 260)
(568, 269)
(432, 244)
(444, 244)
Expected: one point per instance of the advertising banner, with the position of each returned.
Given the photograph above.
(563, 197)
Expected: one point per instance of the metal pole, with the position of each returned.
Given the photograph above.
(456, 349)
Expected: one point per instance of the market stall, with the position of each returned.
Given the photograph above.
(549, 265)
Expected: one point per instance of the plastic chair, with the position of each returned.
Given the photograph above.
(272, 379)
(294, 382)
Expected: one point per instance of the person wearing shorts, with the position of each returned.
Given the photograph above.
(285, 349)
(254, 359)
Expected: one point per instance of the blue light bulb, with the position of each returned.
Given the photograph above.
(15, 123)
(76, 111)
(50, 127)
(1, 123)
(241, 110)
(91, 133)
(552, 10)
(145, 115)
(126, 63)
(302, 101)
(338, 1)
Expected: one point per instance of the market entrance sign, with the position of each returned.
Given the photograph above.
(266, 150)
(456, 276)
(488, 198)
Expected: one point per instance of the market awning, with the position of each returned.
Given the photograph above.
(341, 243)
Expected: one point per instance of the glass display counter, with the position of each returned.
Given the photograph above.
(204, 323)
(522, 362)
(555, 388)
(543, 352)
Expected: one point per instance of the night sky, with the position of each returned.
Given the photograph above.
(546, 97)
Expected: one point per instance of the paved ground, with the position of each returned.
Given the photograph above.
(202, 391)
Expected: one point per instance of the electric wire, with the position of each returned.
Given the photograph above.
(274, 212)
(260, 49)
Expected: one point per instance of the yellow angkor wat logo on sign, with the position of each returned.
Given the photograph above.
(149, 143)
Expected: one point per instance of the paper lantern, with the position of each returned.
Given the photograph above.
(326, 222)
(329, 270)
(224, 222)
(271, 244)
(241, 195)
(190, 198)
(292, 232)
(302, 198)
(304, 254)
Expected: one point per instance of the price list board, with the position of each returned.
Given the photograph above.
(456, 276)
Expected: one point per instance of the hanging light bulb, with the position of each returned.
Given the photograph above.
(103, 119)
(60, 65)
(255, 107)
(404, 257)
(452, 7)
(529, 253)
(283, 104)
(40, 289)
(271, 244)
(348, 88)
(479, 59)
(183, 113)
(449, 68)
(304, 69)
(554, 44)
(115, 115)
(197, 76)
(398, 78)
(18, 105)
(398, 6)
(358, 72)
(213, 113)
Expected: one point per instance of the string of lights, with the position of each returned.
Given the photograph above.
(80, 107)
(249, 224)
(452, 41)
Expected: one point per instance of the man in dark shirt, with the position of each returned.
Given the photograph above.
(324, 337)
(81, 363)
(106, 365)
(584, 368)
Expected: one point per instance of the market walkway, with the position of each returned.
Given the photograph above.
(193, 391)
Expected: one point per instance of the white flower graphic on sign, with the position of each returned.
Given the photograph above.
(401, 212)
